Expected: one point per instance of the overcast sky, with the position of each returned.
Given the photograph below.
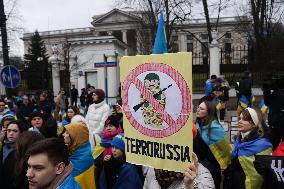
(60, 14)
(45, 15)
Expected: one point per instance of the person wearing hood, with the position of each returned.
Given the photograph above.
(76, 137)
(7, 154)
(4, 110)
(96, 116)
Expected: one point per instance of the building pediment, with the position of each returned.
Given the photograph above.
(115, 16)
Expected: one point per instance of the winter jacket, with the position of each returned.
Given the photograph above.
(96, 116)
(127, 177)
(279, 151)
(203, 179)
(7, 167)
(208, 87)
(275, 102)
(69, 183)
(245, 87)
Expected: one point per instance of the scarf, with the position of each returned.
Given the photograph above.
(166, 178)
(60, 178)
(107, 139)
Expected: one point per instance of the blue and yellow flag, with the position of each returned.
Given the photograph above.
(262, 106)
(160, 45)
(217, 143)
(245, 152)
(218, 104)
(244, 102)
(83, 166)
(83, 110)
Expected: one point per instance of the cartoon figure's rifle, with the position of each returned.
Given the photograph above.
(136, 107)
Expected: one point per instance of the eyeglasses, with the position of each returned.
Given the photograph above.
(2, 104)
(12, 130)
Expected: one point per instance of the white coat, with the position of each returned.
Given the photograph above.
(96, 116)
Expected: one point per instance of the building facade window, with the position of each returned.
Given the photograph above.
(228, 35)
(189, 47)
(204, 36)
(228, 47)
(189, 43)
(175, 44)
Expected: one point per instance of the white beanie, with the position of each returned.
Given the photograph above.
(78, 118)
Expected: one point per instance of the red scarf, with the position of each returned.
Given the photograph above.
(108, 136)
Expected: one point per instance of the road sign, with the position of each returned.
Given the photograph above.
(10, 76)
(105, 64)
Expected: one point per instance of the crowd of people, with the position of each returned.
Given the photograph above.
(46, 143)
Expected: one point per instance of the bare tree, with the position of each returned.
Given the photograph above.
(14, 25)
(176, 11)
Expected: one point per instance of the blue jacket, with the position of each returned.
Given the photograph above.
(127, 178)
(208, 87)
(69, 183)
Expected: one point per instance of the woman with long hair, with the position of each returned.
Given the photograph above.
(7, 154)
(253, 139)
(210, 146)
(71, 112)
(25, 140)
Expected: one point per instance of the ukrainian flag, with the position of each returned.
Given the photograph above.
(218, 104)
(246, 152)
(262, 106)
(244, 102)
(83, 166)
(160, 45)
(216, 142)
(83, 110)
(252, 99)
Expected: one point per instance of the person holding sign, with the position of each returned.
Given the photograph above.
(252, 140)
(195, 176)
(210, 145)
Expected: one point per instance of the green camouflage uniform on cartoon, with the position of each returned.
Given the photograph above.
(150, 115)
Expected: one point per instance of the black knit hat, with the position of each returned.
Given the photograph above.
(112, 120)
(101, 95)
(36, 114)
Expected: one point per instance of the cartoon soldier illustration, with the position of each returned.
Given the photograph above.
(150, 115)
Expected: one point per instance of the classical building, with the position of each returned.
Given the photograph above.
(118, 33)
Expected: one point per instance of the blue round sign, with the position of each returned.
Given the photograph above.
(10, 76)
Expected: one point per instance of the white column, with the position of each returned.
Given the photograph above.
(214, 55)
(138, 42)
(55, 75)
(124, 39)
(112, 81)
(182, 42)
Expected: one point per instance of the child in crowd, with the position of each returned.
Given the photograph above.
(104, 148)
(117, 173)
